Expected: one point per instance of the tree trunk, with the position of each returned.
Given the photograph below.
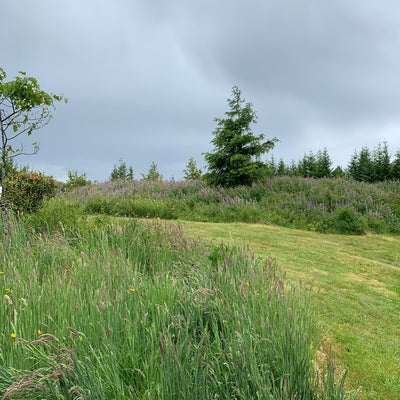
(3, 198)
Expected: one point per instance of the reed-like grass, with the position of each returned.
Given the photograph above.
(94, 309)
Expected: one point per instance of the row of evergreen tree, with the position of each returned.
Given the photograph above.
(365, 165)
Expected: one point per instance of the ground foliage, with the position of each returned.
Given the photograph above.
(336, 205)
(96, 308)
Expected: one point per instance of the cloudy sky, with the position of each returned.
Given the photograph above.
(146, 78)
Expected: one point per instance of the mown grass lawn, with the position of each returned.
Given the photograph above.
(355, 282)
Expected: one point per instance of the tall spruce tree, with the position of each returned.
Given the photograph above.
(236, 159)
(361, 167)
(323, 164)
(381, 162)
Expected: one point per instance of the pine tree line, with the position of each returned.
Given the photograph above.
(366, 165)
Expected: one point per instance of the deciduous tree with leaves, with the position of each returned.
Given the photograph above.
(24, 108)
(236, 159)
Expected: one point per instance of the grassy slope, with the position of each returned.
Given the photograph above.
(356, 289)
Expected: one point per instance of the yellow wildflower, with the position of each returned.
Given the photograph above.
(13, 335)
(132, 289)
(39, 332)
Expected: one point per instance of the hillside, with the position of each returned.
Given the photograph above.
(355, 288)
(113, 270)
(323, 205)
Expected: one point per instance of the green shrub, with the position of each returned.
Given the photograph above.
(99, 205)
(26, 191)
(345, 220)
(58, 214)
(75, 180)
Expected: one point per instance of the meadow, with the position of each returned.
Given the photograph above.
(101, 309)
(96, 306)
(324, 205)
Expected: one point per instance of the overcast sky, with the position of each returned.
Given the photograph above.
(146, 78)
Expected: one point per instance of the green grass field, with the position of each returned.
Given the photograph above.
(355, 283)
(102, 308)
(108, 307)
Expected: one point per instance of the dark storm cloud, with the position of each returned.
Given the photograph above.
(145, 79)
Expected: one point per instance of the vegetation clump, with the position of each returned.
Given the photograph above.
(27, 191)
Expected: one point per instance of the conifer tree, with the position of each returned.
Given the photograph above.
(323, 164)
(191, 171)
(121, 171)
(395, 166)
(381, 163)
(236, 158)
(153, 174)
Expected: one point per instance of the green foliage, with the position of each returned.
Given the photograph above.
(353, 279)
(338, 172)
(24, 108)
(293, 202)
(58, 214)
(153, 174)
(381, 162)
(312, 165)
(133, 207)
(307, 166)
(346, 221)
(75, 180)
(236, 159)
(395, 166)
(11, 167)
(138, 311)
(373, 166)
(28, 190)
(365, 166)
(121, 171)
(323, 164)
(191, 171)
(361, 166)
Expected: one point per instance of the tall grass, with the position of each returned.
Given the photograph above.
(99, 310)
(325, 205)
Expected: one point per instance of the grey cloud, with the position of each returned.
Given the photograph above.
(145, 79)
(330, 55)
